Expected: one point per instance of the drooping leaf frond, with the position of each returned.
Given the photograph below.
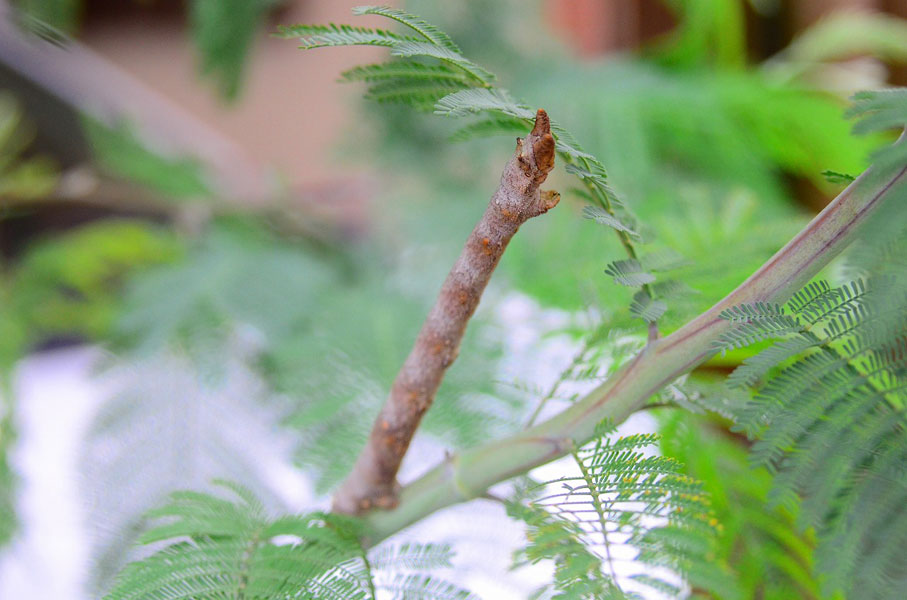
(762, 323)
(321, 36)
(225, 547)
(402, 69)
(672, 288)
(478, 100)
(407, 48)
(828, 413)
(596, 179)
(427, 30)
(235, 277)
(623, 505)
(419, 94)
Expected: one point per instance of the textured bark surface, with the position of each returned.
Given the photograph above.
(373, 481)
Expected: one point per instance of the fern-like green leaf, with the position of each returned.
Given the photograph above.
(769, 557)
(166, 427)
(620, 498)
(596, 177)
(321, 36)
(672, 288)
(479, 100)
(419, 94)
(409, 48)
(427, 30)
(629, 272)
(495, 125)
(755, 322)
(880, 111)
(646, 308)
(829, 415)
(234, 276)
(411, 556)
(663, 260)
(225, 547)
(600, 215)
(415, 586)
(754, 368)
(757, 311)
(403, 69)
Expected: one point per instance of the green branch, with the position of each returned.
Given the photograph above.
(468, 475)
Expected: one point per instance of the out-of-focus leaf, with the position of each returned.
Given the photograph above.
(21, 179)
(769, 557)
(223, 31)
(70, 285)
(119, 151)
(63, 15)
(843, 34)
(165, 427)
(710, 33)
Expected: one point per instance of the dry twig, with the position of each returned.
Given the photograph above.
(372, 483)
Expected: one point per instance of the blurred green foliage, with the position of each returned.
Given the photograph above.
(708, 33)
(63, 15)
(770, 559)
(69, 285)
(223, 31)
(21, 179)
(118, 151)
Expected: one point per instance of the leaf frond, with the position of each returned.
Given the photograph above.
(622, 498)
(646, 308)
(629, 272)
(427, 30)
(477, 100)
(226, 547)
(322, 36)
(496, 125)
(829, 414)
(408, 48)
